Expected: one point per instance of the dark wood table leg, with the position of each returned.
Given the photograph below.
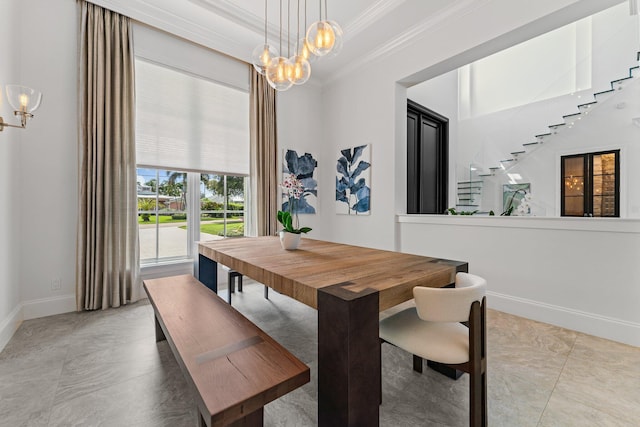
(208, 272)
(159, 332)
(254, 419)
(349, 374)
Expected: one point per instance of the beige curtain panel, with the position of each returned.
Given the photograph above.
(107, 271)
(264, 154)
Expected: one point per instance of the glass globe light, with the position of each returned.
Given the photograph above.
(277, 73)
(23, 99)
(320, 38)
(339, 41)
(298, 70)
(262, 56)
(302, 49)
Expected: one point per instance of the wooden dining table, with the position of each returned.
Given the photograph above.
(348, 286)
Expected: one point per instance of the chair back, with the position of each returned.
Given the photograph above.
(450, 304)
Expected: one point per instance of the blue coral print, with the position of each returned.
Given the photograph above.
(352, 181)
(303, 167)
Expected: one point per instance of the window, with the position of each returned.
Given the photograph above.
(192, 148)
(222, 207)
(482, 83)
(165, 211)
(162, 214)
(591, 184)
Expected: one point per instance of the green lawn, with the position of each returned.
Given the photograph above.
(233, 229)
(235, 224)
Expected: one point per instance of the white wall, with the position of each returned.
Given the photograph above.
(10, 144)
(48, 173)
(577, 274)
(39, 165)
(300, 128)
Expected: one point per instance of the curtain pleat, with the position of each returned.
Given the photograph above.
(264, 155)
(107, 270)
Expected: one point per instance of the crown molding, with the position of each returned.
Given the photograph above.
(240, 16)
(149, 13)
(237, 14)
(461, 7)
(370, 16)
(162, 15)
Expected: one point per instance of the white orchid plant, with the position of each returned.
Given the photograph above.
(524, 208)
(524, 204)
(294, 189)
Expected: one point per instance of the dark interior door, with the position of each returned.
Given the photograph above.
(427, 160)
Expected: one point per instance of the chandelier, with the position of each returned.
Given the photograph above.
(322, 38)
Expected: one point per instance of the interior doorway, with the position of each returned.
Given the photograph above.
(427, 160)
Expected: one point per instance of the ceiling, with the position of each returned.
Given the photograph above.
(371, 28)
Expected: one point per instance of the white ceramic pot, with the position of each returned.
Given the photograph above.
(289, 241)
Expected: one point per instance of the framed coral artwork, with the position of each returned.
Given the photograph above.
(304, 168)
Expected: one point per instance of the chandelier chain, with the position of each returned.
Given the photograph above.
(265, 21)
(280, 25)
(288, 28)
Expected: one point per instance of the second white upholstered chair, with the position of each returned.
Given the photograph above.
(433, 330)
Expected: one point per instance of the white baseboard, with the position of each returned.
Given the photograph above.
(589, 323)
(48, 306)
(9, 326)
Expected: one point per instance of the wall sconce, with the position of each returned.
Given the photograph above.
(24, 101)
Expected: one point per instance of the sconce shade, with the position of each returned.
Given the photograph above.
(23, 99)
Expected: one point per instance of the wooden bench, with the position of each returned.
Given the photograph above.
(234, 367)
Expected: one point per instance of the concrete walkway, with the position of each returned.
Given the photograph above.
(172, 240)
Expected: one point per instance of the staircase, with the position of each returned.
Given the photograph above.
(469, 193)
(568, 122)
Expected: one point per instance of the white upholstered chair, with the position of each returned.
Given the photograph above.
(433, 330)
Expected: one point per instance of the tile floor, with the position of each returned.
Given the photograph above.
(105, 369)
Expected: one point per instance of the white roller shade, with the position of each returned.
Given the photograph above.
(159, 47)
(188, 123)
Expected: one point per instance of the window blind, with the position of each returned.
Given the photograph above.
(185, 122)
